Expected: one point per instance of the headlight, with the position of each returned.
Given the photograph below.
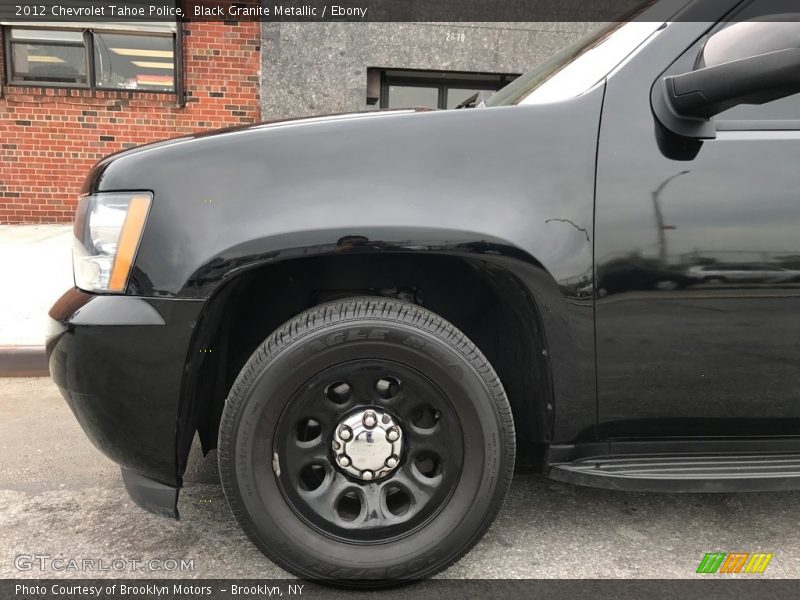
(108, 228)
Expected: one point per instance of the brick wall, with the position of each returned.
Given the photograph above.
(50, 138)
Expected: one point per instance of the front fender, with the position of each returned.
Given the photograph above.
(521, 175)
(512, 184)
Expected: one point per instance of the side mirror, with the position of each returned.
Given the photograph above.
(752, 62)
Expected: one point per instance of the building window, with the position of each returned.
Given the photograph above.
(48, 56)
(134, 61)
(436, 89)
(92, 58)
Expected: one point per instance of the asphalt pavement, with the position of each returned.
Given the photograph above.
(60, 498)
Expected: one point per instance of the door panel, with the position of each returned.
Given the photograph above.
(698, 272)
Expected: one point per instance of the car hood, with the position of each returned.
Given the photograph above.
(266, 125)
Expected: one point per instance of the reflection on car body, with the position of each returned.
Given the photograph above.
(742, 273)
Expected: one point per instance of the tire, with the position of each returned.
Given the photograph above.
(345, 366)
(715, 281)
(667, 285)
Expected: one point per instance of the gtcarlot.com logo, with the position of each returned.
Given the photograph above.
(734, 562)
(45, 562)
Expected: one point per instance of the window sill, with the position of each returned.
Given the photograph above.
(31, 93)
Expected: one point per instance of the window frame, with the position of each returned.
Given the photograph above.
(89, 51)
(444, 81)
(9, 54)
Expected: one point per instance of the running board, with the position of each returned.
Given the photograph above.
(684, 472)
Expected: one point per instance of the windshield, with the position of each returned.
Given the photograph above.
(580, 66)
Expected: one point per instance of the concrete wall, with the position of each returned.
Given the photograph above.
(319, 68)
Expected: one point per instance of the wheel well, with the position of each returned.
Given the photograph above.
(486, 302)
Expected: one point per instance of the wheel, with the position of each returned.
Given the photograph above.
(715, 281)
(667, 285)
(366, 442)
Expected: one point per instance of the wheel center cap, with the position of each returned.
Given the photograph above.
(367, 444)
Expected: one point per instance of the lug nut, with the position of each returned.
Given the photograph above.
(370, 420)
(367, 475)
(345, 433)
(391, 462)
(344, 461)
(392, 434)
(336, 445)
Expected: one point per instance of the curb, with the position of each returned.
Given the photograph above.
(23, 361)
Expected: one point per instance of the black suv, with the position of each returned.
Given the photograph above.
(371, 320)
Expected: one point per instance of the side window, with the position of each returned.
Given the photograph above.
(785, 109)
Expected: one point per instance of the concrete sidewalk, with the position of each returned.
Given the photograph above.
(36, 268)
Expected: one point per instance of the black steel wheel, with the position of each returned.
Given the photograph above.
(366, 442)
(424, 462)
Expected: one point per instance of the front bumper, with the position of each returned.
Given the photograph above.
(119, 361)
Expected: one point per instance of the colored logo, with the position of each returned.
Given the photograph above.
(734, 562)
